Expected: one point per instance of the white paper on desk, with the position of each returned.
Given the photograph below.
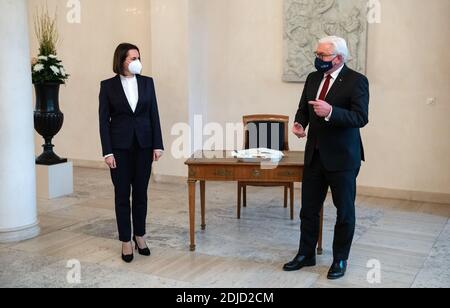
(259, 153)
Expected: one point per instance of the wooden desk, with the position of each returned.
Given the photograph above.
(221, 166)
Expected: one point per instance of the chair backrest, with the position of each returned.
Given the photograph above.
(266, 131)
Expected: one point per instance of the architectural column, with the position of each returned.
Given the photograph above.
(18, 213)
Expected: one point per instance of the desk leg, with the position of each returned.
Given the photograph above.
(244, 195)
(319, 248)
(291, 187)
(285, 197)
(203, 201)
(191, 184)
(240, 188)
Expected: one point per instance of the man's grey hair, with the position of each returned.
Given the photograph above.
(339, 44)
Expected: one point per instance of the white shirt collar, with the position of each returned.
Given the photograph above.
(123, 78)
(336, 73)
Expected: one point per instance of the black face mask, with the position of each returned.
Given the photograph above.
(323, 66)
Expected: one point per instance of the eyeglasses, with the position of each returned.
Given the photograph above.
(322, 56)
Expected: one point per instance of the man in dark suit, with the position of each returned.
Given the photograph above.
(335, 105)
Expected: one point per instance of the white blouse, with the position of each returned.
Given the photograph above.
(130, 87)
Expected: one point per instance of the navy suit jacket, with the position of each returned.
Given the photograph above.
(339, 140)
(119, 124)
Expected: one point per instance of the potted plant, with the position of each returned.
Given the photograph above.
(48, 74)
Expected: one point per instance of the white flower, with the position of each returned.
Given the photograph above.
(62, 71)
(54, 69)
(52, 56)
(43, 58)
(38, 67)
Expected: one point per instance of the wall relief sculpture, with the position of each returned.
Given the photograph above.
(307, 21)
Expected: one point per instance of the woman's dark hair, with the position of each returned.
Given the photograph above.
(120, 55)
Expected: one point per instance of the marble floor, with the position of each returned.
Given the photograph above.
(400, 243)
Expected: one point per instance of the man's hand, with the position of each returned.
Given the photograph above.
(321, 108)
(111, 162)
(298, 130)
(157, 154)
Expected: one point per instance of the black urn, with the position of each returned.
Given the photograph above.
(48, 121)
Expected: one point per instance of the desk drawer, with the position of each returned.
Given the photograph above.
(279, 174)
(218, 173)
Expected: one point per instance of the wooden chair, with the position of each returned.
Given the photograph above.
(281, 123)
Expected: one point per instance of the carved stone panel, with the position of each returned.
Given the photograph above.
(307, 21)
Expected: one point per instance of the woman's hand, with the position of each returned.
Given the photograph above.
(157, 154)
(111, 162)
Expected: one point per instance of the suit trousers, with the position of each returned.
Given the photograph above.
(131, 177)
(316, 182)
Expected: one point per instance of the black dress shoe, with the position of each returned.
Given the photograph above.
(337, 270)
(143, 252)
(127, 258)
(299, 262)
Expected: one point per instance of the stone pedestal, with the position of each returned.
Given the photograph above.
(54, 181)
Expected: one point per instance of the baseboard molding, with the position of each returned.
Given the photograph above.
(89, 164)
(169, 179)
(378, 192)
(419, 196)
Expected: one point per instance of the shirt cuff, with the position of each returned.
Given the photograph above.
(159, 150)
(329, 116)
(109, 155)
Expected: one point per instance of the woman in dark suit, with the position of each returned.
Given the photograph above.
(131, 139)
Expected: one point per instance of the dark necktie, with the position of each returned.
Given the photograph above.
(325, 88)
(322, 96)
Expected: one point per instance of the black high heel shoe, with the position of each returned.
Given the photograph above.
(127, 258)
(142, 252)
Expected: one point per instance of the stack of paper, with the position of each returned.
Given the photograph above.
(259, 154)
